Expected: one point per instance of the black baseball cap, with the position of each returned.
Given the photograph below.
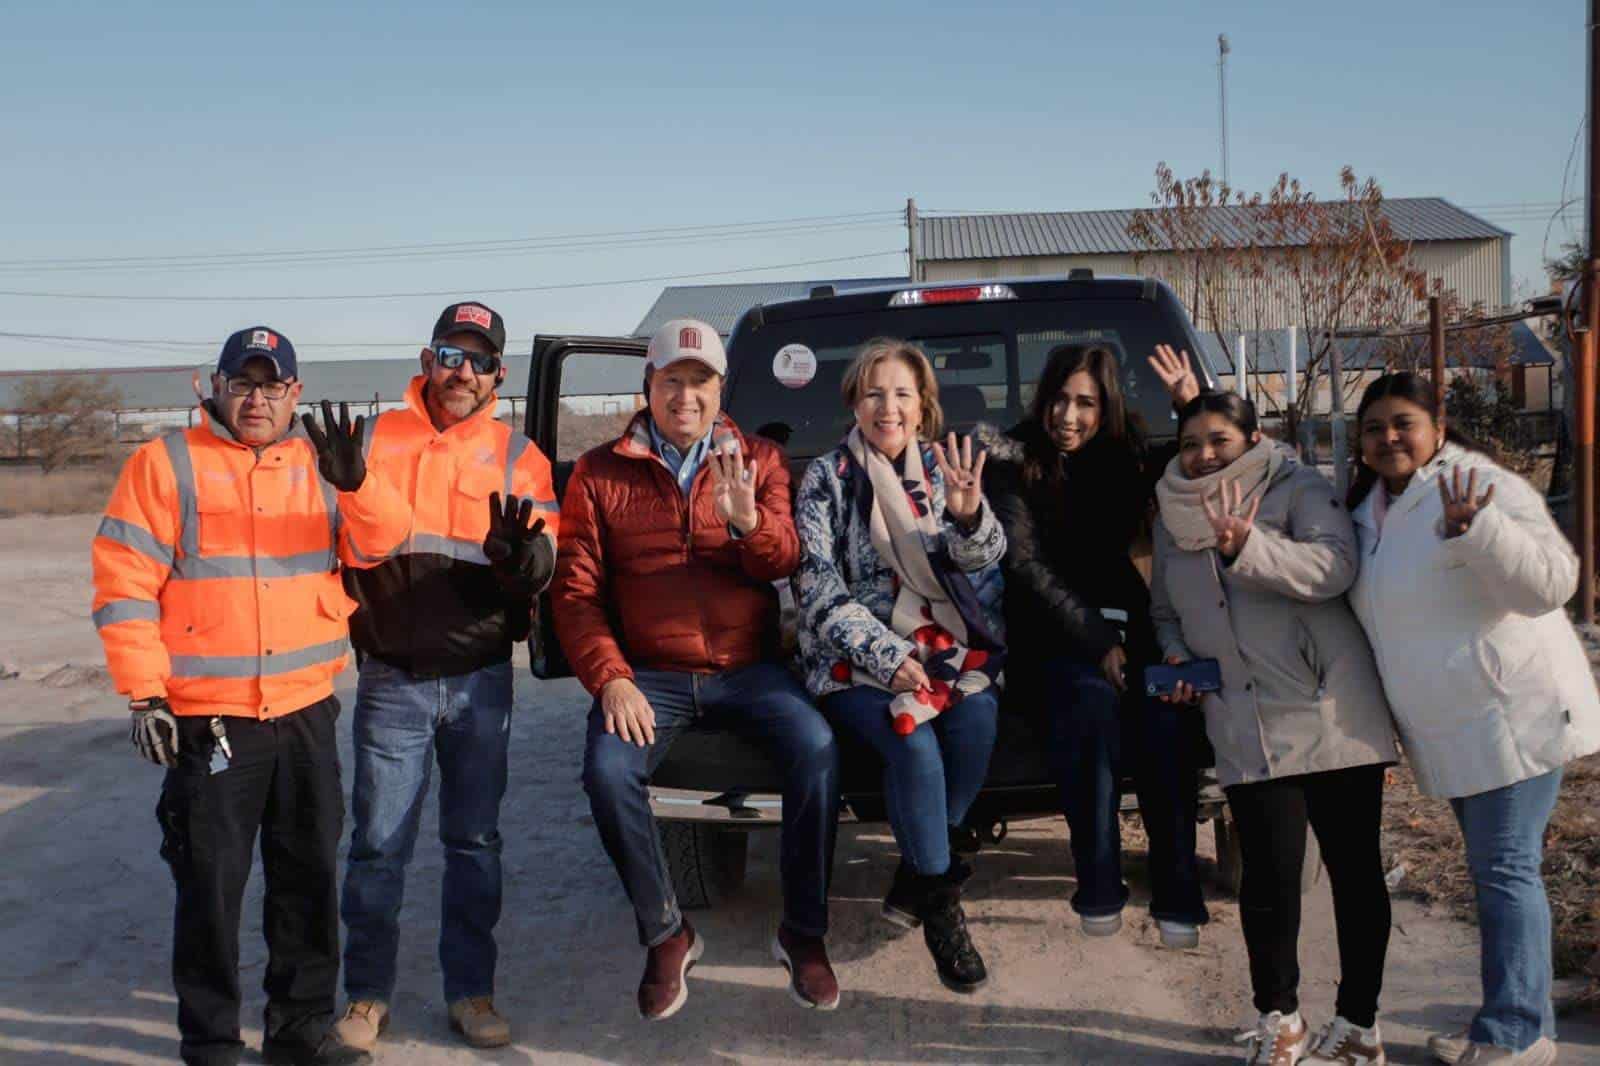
(258, 342)
(472, 318)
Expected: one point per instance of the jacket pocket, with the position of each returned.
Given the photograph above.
(469, 501)
(1307, 645)
(334, 604)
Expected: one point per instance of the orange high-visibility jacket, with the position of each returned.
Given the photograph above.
(216, 572)
(437, 608)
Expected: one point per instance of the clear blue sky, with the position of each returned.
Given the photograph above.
(178, 129)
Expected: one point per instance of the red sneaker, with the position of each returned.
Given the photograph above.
(811, 980)
(662, 989)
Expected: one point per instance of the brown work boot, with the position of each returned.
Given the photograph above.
(811, 980)
(353, 1036)
(662, 989)
(478, 1023)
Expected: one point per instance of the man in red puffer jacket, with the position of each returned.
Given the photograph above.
(671, 538)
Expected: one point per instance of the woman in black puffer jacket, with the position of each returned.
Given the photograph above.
(1070, 487)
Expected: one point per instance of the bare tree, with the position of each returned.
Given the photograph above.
(1244, 263)
(66, 417)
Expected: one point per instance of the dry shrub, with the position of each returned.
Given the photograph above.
(577, 433)
(70, 490)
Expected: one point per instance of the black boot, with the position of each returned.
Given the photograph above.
(944, 929)
(900, 905)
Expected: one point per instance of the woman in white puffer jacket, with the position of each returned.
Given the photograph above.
(1463, 582)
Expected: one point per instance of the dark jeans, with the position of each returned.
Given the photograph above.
(400, 725)
(1097, 735)
(769, 708)
(931, 777)
(1344, 808)
(283, 782)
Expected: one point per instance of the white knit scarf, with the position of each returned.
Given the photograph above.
(1182, 498)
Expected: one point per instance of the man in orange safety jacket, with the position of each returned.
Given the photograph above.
(434, 639)
(219, 602)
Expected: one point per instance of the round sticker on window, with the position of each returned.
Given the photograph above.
(794, 366)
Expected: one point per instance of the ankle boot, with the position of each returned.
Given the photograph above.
(944, 930)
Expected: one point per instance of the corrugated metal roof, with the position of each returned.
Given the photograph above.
(721, 305)
(1106, 232)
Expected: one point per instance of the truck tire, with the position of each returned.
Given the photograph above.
(1230, 861)
(706, 863)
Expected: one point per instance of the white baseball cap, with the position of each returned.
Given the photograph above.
(686, 338)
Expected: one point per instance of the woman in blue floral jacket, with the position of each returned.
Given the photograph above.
(901, 634)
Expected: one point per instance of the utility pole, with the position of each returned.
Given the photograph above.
(1585, 457)
(913, 242)
(1223, 49)
(1436, 350)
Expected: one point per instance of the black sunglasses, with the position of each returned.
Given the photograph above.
(450, 357)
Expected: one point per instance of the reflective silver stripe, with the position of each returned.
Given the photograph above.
(546, 505)
(368, 429)
(126, 611)
(257, 666)
(192, 568)
(138, 538)
(330, 500)
(177, 445)
(514, 449)
(467, 551)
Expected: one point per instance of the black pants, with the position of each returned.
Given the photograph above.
(1343, 807)
(283, 781)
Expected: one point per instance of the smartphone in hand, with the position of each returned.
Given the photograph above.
(1161, 679)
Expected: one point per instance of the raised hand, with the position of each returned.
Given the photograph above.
(963, 478)
(1232, 529)
(734, 489)
(339, 455)
(1176, 373)
(1461, 506)
(516, 544)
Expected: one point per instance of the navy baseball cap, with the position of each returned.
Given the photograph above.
(258, 342)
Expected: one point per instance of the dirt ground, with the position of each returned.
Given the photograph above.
(86, 905)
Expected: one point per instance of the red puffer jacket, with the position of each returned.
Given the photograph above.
(648, 578)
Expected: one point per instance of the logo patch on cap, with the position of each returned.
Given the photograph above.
(689, 337)
(478, 316)
(264, 338)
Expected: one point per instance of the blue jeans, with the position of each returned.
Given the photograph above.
(1091, 726)
(1504, 834)
(931, 777)
(400, 724)
(769, 708)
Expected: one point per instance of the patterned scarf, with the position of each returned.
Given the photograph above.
(934, 606)
(1182, 498)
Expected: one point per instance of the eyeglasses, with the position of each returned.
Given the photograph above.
(450, 357)
(272, 390)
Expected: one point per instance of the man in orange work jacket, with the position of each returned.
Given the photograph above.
(434, 638)
(217, 596)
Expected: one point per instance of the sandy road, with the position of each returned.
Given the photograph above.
(85, 910)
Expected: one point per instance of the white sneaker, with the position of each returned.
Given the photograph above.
(1343, 1043)
(1181, 935)
(1101, 924)
(1277, 1040)
(1541, 1052)
(1449, 1047)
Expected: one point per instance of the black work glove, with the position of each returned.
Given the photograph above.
(514, 547)
(339, 449)
(155, 731)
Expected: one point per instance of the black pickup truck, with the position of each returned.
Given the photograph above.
(988, 341)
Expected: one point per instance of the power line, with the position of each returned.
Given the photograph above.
(302, 298)
(563, 240)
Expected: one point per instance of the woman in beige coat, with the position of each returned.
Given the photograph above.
(1253, 556)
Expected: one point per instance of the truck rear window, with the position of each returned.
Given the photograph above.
(988, 358)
